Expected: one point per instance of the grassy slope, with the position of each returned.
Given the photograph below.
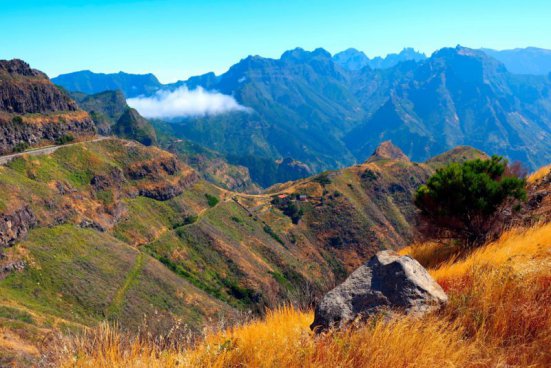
(241, 251)
(498, 315)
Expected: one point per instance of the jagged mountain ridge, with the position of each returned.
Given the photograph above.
(353, 59)
(308, 108)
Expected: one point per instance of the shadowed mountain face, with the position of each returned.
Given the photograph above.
(461, 96)
(90, 83)
(306, 107)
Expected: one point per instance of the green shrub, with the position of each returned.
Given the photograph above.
(64, 139)
(21, 147)
(460, 200)
(17, 120)
(323, 179)
(271, 232)
(212, 200)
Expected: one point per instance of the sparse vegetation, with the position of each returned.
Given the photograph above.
(271, 232)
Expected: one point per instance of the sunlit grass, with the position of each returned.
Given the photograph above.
(499, 315)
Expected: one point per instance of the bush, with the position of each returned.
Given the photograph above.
(20, 147)
(459, 201)
(323, 179)
(211, 200)
(64, 139)
(294, 212)
(17, 120)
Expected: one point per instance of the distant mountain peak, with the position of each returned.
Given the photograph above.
(299, 54)
(387, 151)
(353, 59)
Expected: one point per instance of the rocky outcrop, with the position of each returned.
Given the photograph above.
(104, 182)
(15, 131)
(15, 226)
(387, 151)
(165, 190)
(11, 266)
(387, 282)
(24, 90)
(33, 110)
(153, 168)
(162, 192)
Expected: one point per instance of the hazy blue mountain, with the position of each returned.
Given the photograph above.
(461, 97)
(306, 108)
(530, 60)
(407, 54)
(353, 59)
(88, 82)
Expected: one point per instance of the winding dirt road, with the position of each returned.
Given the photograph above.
(44, 150)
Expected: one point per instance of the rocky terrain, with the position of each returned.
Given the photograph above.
(33, 111)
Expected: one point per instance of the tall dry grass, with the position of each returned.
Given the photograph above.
(499, 315)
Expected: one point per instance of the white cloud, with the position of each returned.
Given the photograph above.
(185, 103)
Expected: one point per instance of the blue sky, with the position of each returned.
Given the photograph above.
(177, 39)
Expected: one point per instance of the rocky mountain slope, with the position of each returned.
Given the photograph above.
(33, 111)
(131, 125)
(113, 116)
(141, 233)
(135, 222)
(308, 108)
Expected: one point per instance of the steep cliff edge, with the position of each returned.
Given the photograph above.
(34, 111)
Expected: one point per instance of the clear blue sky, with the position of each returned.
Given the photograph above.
(176, 39)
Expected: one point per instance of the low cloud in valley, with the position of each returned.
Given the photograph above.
(184, 102)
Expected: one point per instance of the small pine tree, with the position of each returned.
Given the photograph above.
(459, 201)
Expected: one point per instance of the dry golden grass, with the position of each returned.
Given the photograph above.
(499, 315)
(539, 174)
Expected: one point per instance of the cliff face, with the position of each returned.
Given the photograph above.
(25, 91)
(33, 110)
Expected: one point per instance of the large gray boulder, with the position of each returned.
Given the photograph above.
(387, 282)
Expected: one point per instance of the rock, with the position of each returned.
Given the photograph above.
(24, 90)
(387, 281)
(89, 224)
(15, 226)
(32, 109)
(9, 267)
(153, 168)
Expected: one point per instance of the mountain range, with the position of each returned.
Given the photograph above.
(312, 109)
(111, 229)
